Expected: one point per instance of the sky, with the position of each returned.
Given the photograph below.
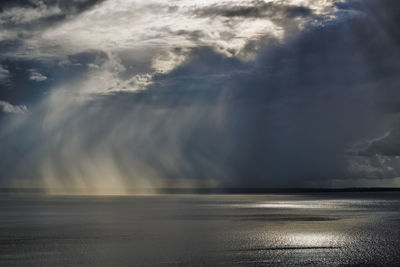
(106, 96)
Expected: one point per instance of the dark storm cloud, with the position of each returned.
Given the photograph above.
(292, 114)
(66, 8)
(386, 145)
(258, 9)
(287, 117)
(389, 145)
(383, 62)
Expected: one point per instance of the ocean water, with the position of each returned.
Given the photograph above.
(331, 229)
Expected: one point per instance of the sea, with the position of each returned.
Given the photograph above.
(293, 229)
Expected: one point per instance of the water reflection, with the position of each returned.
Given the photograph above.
(317, 240)
(314, 204)
(196, 230)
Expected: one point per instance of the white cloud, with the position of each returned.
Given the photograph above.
(4, 75)
(133, 23)
(159, 26)
(36, 76)
(137, 24)
(104, 79)
(164, 31)
(9, 108)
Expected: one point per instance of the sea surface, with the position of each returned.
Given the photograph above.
(330, 229)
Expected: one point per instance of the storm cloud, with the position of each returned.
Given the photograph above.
(306, 99)
(257, 9)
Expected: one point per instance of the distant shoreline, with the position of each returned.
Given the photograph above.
(277, 190)
(226, 191)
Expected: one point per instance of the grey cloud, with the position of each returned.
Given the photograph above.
(29, 15)
(15, 16)
(258, 9)
(9, 108)
(23, 20)
(192, 35)
(69, 7)
(387, 145)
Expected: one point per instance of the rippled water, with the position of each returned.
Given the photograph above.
(180, 230)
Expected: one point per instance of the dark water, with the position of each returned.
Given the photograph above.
(332, 229)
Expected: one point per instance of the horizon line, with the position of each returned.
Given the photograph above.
(210, 190)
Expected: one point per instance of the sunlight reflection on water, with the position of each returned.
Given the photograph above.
(312, 204)
(241, 230)
(314, 240)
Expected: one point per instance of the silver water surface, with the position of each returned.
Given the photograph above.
(331, 229)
